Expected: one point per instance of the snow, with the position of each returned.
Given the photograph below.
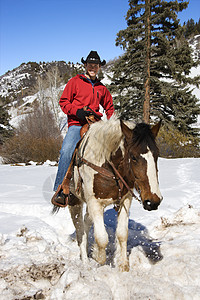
(12, 80)
(106, 80)
(195, 72)
(40, 257)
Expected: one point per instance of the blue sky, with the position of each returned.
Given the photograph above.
(49, 30)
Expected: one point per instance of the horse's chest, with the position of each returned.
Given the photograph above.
(105, 188)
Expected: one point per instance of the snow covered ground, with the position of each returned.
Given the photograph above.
(39, 257)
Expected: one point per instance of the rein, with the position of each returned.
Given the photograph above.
(104, 172)
(123, 181)
(114, 175)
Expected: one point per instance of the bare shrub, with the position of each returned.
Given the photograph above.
(37, 138)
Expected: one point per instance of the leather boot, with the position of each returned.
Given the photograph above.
(59, 198)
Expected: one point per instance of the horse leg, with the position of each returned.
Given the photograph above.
(122, 236)
(101, 237)
(76, 212)
(87, 225)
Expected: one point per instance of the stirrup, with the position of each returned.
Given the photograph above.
(58, 204)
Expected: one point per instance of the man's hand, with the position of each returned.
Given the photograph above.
(81, 114)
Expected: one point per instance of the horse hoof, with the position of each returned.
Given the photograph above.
(99, 254)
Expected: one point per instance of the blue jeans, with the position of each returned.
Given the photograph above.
(69, 143)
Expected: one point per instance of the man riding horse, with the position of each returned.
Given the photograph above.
(108, 163)
(81, 91)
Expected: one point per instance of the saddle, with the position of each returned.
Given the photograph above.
(64, 187)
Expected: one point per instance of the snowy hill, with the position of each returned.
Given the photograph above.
(22, 81)
(40, 257)
(33, 82)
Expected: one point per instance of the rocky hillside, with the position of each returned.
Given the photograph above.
(25, 80)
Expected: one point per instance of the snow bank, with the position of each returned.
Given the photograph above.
(40, 257)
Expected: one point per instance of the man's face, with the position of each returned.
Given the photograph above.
(92, 70)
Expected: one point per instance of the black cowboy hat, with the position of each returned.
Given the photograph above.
(93, 58)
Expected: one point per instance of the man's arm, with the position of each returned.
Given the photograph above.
(66, 100)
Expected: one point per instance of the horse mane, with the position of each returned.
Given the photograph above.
(143, 137)
(102, 139)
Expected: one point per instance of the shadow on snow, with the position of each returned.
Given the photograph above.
(137, 236)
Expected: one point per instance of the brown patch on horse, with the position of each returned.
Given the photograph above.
(105, 188)
(117, 157)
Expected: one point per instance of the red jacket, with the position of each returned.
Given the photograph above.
(80, 92)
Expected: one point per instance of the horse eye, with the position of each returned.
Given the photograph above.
(133, 158)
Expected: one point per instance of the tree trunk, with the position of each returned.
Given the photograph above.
(146, 105)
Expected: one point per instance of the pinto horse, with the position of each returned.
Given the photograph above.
(133, 153)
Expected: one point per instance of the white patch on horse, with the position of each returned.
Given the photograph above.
(152, 173)
(101, 145)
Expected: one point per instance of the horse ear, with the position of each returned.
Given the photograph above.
(155, 128)
(126, 131)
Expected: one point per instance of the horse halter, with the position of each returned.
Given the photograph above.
(120, 178)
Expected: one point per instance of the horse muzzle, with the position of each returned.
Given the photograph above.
(151, 205)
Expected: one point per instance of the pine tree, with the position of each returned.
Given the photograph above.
(5, 128)
(190, 28)
(155, 67)
(198, 27)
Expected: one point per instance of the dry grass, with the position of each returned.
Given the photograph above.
(37, 138)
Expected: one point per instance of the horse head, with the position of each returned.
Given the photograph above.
(141, 155)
